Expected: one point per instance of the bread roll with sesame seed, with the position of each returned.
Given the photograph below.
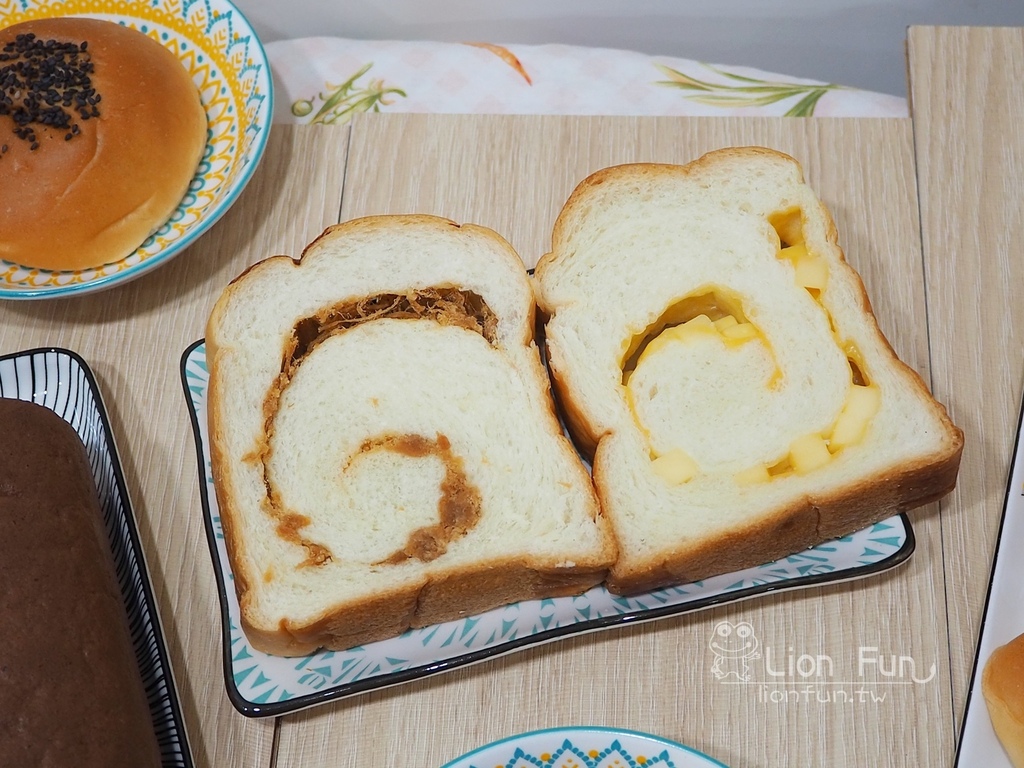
(101, 132)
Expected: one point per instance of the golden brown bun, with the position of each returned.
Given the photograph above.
(94, 199)
(1002, 683)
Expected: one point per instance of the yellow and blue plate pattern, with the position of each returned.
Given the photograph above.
(227, 63)
(584, 747)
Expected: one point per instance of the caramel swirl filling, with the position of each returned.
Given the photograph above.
(444, 305)
(459, 504)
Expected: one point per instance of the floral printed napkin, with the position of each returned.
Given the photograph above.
(327, 80)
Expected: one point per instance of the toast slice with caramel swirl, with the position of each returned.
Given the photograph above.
(720, 360)
(385, 449)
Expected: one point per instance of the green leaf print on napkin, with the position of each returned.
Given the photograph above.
(750, 92)
(341, 102)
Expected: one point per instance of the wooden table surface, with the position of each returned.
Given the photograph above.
(928, 210)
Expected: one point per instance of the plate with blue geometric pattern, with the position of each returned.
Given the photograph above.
(584, 747)
(260, 685)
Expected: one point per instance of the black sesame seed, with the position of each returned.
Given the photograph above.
(40, 80)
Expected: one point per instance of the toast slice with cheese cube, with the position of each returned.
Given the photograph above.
(385, 449)
(719, 359)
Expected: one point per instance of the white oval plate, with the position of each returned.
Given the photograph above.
(585, 747)
(229, 67)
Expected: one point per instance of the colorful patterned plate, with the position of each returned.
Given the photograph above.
(261, 685)
(584, 747)
(61, 381)
(229, 66)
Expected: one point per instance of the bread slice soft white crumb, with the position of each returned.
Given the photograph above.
(407, 470)
(642, 247)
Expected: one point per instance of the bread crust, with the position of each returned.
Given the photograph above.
(93, 199)
(775, 532)
(444, 594)
(782, 532)
(585, 433)
(444, 597)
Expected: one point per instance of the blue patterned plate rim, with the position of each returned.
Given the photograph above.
(266, 708)
(571, 731)
(251, 158)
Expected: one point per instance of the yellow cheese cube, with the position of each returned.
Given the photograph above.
(669, 335)
(756, 474)
(788, 225)
(699, 324)
(812, 272)
(740, 332)
(794, 253)
(725, 321)
(675, 467)
(862, 403)
(809, 452)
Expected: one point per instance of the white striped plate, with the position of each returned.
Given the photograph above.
(61, 381)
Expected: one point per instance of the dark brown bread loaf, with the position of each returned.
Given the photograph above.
(70, 689)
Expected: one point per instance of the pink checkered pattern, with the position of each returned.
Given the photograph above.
(534, 79)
